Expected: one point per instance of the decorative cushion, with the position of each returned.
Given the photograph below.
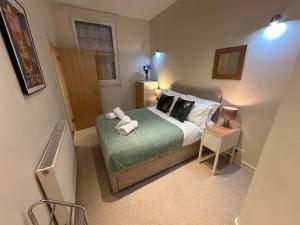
(164, 103)
(176, 96)
(182, 109)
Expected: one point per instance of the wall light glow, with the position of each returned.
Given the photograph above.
(275, 30)
(158, 59)
(274, 23)
(157, 54)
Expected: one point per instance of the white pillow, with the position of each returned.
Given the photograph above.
(173, 93)
(213, 105)
(210, 123)
(176, 96)
(199, 114)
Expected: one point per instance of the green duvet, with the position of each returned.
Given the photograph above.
(153, 137)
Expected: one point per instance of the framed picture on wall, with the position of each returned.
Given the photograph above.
(229, 63)
(18, 39)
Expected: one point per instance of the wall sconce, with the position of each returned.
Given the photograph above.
(157, 53)
(275, 20)
(276, 28)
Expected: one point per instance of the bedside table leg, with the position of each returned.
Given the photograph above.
(215, 163)
(200, 153)
(233, 154)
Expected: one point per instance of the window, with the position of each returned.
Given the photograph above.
(100, 38)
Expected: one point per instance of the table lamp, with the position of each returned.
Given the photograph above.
(158, 93)
(228, 113)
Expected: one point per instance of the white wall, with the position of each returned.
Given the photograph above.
(133, 46)
(274, 193)
(26, 121)
(189, 32)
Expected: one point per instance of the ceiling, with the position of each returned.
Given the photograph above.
(142, 9)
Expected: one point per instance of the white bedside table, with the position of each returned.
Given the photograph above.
(218, 139)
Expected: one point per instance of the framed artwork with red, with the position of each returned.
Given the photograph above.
(19, 42)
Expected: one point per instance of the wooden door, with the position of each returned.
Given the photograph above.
(80, 76)
(62, 86)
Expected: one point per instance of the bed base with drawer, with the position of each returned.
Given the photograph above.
(141, 171)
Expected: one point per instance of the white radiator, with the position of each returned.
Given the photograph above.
(57, 170)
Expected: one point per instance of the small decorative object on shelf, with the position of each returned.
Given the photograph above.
(147, 69)
(228, 113)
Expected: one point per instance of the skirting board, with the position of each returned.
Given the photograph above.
(236, 221)
(238, 161)
(247, 166)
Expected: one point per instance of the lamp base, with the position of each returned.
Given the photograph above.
(226, 123)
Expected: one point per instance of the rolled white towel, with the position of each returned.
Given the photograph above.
(128, 128)
(123, 121)
(119, 113)
(111, 116)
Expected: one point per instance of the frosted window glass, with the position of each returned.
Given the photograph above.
(98, 38)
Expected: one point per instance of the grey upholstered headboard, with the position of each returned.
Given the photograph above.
(206, 92)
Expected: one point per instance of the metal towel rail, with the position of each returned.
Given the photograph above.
(52, 204)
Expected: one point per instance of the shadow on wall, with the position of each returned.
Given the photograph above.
(143, 49)
(249, 120)
(153, 74)
(157, 60)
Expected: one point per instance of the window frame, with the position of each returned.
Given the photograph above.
(106, 22)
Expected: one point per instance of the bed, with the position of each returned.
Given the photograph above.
(159, 143)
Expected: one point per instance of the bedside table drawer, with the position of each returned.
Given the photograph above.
(211, 141)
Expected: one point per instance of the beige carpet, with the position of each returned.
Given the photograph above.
(184, 195)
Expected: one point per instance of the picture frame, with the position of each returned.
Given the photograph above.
(229, 63)
(19, 42)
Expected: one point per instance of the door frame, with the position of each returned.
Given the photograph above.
(62, 86)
